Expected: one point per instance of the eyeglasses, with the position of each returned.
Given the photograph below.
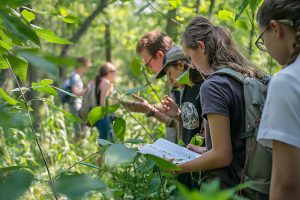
(147, 64)
(260, 43)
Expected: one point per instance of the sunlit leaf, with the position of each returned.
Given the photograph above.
(14, 3)
(19, 66)
(7, 98)
(119, 127)
(119, 155)
(3, 63)
(103, 142)
(175, 3)
(197, 140)
(70, 19)
(5, 41)
(99, 112)
(225, 15)
(18, 29)
(184, 78)
(44, 86)
(136, 67)
(29, 16)
(75, 186)
(162, 163)
(49, 36)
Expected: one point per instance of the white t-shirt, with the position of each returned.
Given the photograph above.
(281, 114)
(77, 82)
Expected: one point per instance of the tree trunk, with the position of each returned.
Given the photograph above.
(211, 9)
(171, 28)
(107, 42)
(85, 25)
(197, 4)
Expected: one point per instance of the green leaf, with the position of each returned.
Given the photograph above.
(103, 142)
(8, 99)
(175, 3)
(14, 3)
(75, 186)
(197, 140)
(40, 62)
(49, 36)
(44, 86)
(29, 16)
(19, 66)
(162, 163)
(225, 15)
(70, 19)
(134, 90)
(19, 30)
(5, 42)
(184, 78)
(99, 112)
(10, 119)
(135, 141)
(3, 63)
(136, 67)
(119, 127)
(13, 183)
(118, 155)
(241, 9)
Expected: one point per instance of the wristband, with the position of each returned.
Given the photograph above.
(151, 113)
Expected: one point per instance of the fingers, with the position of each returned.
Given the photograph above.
(138, 98)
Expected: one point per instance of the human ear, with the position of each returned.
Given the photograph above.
(159, 54)
(277, 28)
(201, 45)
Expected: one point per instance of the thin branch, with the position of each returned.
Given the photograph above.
(149, 83)
(162, 184)
(32, 129)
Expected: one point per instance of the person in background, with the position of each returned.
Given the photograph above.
(279, 24)
(77, 88)
(104, 85)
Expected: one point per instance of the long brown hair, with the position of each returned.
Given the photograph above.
(282, 10)
(220, 49)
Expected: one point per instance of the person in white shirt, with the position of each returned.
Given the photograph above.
(279, 24)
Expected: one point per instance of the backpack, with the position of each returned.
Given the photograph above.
(89, 102)
(258, 163)
(66, 86)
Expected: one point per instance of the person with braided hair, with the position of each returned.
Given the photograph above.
(279, 24)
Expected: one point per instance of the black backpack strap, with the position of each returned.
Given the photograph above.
(230, 72)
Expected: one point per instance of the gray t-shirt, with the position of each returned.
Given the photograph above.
(221, 94)
(75, 80)
(281, 115)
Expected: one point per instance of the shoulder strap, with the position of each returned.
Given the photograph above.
(230, 72)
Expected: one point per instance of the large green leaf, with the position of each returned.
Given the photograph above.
(184, 78)
(13, 183)
(3, 63)
(5, 41)
(99, 112)
(119, 155)
(175, 3)
(136, 67)
(44, 86)
(29, 16)
(134, 90)
(225, 15)
(38, 61)
(10, 119)
(49, 36)
(70, 19)
(18, 29)
(14, 3)
(163, 164)
(19, 66)
(119, 127)
(7, 98)
(75, 186)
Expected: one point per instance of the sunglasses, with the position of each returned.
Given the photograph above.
(260, 43)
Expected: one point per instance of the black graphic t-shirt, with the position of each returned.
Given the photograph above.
(190, 112)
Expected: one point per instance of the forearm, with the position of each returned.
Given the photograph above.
(207, 161)
(280, 191)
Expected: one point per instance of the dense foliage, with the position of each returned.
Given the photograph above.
(38, 157)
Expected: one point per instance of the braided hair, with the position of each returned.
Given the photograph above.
(282, 10)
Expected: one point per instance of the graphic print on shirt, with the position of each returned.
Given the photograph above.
(189, 116)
